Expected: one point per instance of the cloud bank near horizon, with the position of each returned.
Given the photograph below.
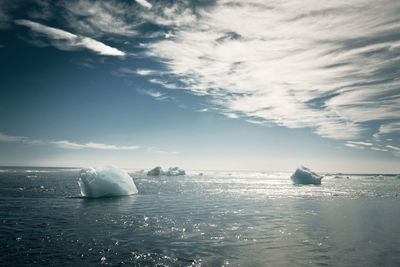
(63, 143)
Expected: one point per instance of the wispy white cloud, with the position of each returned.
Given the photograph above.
(51, 32)
(144, 3)
(64, 143)
(145, 72)
(67, 41)
(394, 149)
(156, 94)
(354, 146)
(165, 84)
(389, 128)
(10, 138)
(99, 47)
(70, 145)
(255, 122)
(360, 143)
(154, 150)
(101, 18)
(325, 66)
(231, 115)
(375, 147)
(379, 149)
(125, 72)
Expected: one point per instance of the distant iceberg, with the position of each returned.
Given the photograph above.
(304, 175)
(106, 182)
(155, 172)
(173, 171)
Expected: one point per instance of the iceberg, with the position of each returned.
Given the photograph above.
(304, 175)
(172, 171)
(155, 172)
(398, 176)
(106, 182)
(175, 171)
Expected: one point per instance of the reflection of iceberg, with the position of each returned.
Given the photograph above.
(106, 182)
(304, 175)
(173, 171)
(340, 177)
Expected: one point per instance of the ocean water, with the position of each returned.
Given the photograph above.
(214, 219)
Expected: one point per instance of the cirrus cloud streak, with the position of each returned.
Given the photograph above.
(71, 145)
(330, 67)
(63, 143)
(67, 41)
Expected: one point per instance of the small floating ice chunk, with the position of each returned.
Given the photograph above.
(155, 172)
(106, 182)
(304, 175)
(174, 171)
(398, 176)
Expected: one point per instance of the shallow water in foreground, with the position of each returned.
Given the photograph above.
(219, 218)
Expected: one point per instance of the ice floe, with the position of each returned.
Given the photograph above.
(304, 175)
(106, 182)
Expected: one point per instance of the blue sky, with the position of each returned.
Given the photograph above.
(252, 85)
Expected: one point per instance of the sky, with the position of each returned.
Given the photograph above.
(220, 85)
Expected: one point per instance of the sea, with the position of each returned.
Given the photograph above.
(204, 218)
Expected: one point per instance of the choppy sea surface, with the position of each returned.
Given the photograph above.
(201, 219)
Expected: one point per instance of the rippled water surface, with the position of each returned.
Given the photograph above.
(214, 219)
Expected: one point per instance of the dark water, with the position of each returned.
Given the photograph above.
(217, 219)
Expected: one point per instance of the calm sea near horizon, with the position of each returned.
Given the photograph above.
(208, 219)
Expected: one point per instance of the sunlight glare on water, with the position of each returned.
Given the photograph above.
(244, 218)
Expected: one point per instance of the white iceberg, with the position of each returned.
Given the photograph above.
(173, 171)
(304, 175)
(106, 182)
